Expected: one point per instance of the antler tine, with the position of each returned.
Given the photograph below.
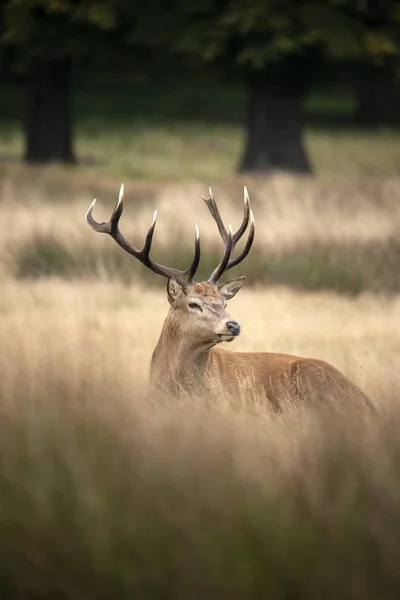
(246, 216)
(223, 265)
(143, 255)
(112, 224)
(196, 259)
(212, 207)
(229, 238)
(247, 247)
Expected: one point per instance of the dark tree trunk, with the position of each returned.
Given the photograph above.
(274, 128)
(377, 99)
(48, 115)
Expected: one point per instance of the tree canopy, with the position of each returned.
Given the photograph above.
(37, 30)
(279, 48)
(254, 35)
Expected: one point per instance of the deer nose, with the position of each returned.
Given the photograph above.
(234, 327)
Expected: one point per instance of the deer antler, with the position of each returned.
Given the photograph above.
(230, 239)
(111, 228)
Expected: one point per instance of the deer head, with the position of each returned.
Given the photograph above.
(197, 310)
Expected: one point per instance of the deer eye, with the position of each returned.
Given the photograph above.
(194, 306)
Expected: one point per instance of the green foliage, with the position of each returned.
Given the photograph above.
(273, 35)
(49, 29)
(236, 34)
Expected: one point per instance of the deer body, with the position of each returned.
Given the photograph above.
(276, 377)
(186, 357)
(180, 364)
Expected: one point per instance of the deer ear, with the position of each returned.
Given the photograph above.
(174, 290)
(231, 288)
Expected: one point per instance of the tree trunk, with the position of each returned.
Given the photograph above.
(48, 114)
(274, 128)
(377, 99)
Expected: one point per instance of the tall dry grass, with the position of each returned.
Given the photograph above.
(107, 492)
(311, 234)
(110, 327)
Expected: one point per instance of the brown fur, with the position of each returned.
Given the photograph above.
(185, 359)
(205, 290)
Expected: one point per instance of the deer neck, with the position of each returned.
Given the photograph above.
(177, 362)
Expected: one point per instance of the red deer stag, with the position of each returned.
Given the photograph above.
(186, 357)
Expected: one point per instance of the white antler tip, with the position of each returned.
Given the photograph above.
(197, 232)
(121, 194)
(154, 218)
(91, 207)
(210, 192)
(251, 216)
(246, 195)
(230, 230)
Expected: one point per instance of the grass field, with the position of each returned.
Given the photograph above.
(106, 493)
(171, 130)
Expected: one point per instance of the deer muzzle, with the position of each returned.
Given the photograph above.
(233, 327)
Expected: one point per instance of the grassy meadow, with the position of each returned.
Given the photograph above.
(108, 492)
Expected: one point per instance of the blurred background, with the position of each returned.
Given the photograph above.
(262, 84)
(105, 493)
(298, 100)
